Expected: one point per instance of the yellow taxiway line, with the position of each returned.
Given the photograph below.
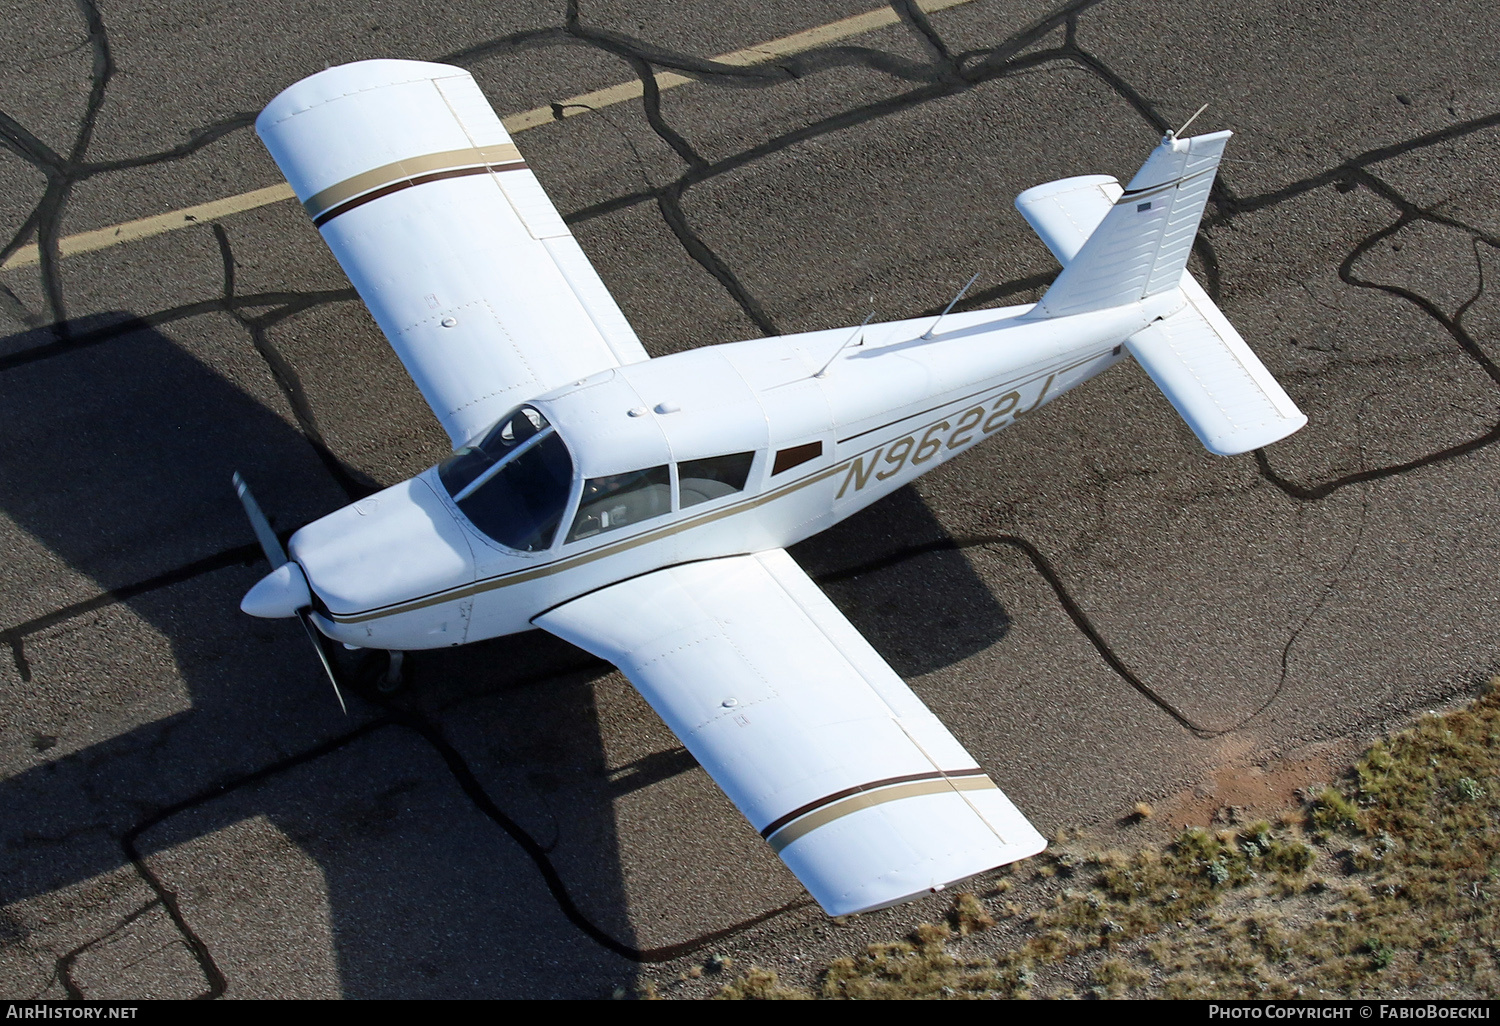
(144, 228)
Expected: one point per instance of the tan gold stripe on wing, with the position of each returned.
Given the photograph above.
(868, 799)
(407, 183)
(410, 167)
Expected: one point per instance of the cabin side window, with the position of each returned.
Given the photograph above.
(713, 478)
(797, 455)
(620, 500)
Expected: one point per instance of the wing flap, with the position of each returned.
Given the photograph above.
(446, 234)
(862, 791)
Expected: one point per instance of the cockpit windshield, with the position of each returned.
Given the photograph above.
(514, 484)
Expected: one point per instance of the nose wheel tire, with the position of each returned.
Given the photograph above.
(385, 672)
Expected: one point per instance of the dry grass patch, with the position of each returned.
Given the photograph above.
(1383, 885)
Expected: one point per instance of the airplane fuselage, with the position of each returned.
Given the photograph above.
(407, 569)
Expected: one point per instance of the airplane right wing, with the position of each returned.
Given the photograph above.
(447, 235)
(859, 788)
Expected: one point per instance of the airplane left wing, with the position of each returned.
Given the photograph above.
(861, 790)
(447, 235)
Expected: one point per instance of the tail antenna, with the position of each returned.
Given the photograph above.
(1189, 121)
(951, 305)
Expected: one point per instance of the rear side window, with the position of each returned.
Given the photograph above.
(797, 455)
(713, 478)
(610, 503)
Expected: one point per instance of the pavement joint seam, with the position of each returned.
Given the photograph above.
(752, 63)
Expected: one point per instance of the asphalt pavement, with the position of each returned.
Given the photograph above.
(1101, 611)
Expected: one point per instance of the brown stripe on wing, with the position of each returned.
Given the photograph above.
(778, 823)
(867, 799)
(407, 167)
(436, 176)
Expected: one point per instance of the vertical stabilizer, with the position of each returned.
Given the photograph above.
(1141, 247)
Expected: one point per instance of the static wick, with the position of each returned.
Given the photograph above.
(950, 306)
(841, 348)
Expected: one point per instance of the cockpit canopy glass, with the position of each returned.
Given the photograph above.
(513, 485)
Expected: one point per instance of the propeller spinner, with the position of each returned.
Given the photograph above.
(284, 591)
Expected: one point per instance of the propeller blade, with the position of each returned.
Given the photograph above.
(269, 543)
(276, 555)
(316, 637)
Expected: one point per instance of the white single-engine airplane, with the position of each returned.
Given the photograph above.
(641, 508)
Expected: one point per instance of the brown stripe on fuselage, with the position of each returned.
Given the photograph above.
(588, 556)
(751, 502)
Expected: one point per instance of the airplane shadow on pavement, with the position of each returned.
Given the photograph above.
(142, 705)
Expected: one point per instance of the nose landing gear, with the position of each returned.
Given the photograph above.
(386, 672)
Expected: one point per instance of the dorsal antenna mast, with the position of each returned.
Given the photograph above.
(841, 348)
(950, 306)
